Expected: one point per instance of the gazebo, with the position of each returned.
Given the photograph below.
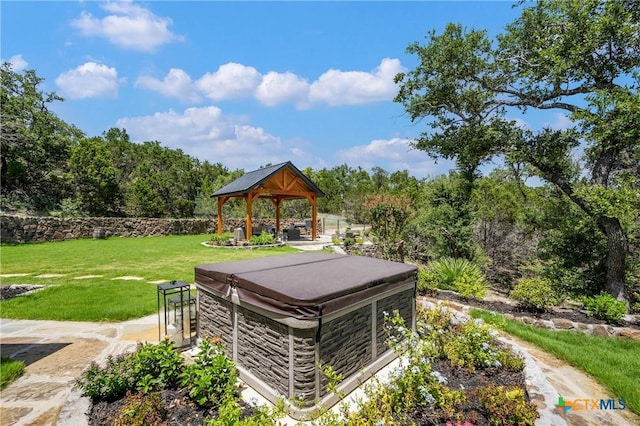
(275, 183)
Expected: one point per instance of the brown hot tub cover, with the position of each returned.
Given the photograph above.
(305, 285)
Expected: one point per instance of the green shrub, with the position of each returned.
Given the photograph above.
(111, 382)
(348, 242)
(263, 239)
(447, 270)
(149, 368)
(222, 239)
(507, 406)
(534, 294)
(156, 366)
(605, 307)
(10, 370)
(211, 379)
(459, 275)
(471, 287)
(427, 282)
(141, 409)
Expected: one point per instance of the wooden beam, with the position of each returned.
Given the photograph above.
(220, 203)
(314, 214)
(278, 204)
(249, 200)
(250, 197)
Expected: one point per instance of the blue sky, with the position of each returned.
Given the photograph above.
(242, 83)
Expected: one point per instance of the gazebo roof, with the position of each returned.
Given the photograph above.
(254, 179)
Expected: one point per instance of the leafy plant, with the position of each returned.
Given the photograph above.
(150, 367)
(606, 307)
(156, 366)
(534, 294)
(141, 409)
(265, 238)
(222, 239)
(211, 379)
(10, 370)
(507, 406)
(111, 382)
(471, 287)
(459, 275)
(348, 242)
(427, 282)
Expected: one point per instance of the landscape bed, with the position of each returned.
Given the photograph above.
(285, 318)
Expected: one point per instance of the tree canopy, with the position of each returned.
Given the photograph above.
(580, 58)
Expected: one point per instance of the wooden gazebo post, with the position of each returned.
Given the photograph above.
(221, 201)
(314, 215)
(278, 203)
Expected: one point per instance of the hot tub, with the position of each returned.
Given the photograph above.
(283, 317)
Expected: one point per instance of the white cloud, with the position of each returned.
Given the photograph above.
(238, 81)
(336, 87)
(278, 88)
(389, 149)
(207, 134)
(392, 155)
(129, 26)
(176, 84)
(89, 80)
(560, 122)
(17, 63)
(230, 81)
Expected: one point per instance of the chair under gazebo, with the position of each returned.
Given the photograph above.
(276, 183)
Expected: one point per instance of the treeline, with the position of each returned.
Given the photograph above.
(50, 167)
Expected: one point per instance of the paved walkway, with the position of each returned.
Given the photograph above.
(55, 353)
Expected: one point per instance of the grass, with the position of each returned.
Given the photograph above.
(106, 298)
(614, 362)
(10, 370)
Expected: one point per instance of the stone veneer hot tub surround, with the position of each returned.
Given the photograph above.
(282, 317)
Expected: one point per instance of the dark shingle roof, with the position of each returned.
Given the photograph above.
(251, 180)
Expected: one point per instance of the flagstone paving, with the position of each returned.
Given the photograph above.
(55, 354)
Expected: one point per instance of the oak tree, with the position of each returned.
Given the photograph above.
(581, 58)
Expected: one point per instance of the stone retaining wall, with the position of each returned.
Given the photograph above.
(368, 250)
(602, 330)
(27, 229)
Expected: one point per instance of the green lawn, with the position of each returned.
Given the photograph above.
(614, 362)
(106, 298)
(10, 370)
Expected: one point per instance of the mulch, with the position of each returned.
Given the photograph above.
(575, 315)
(11, 291)
(459, 378)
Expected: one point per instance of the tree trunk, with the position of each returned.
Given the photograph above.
(616, 239)
(616, 256)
